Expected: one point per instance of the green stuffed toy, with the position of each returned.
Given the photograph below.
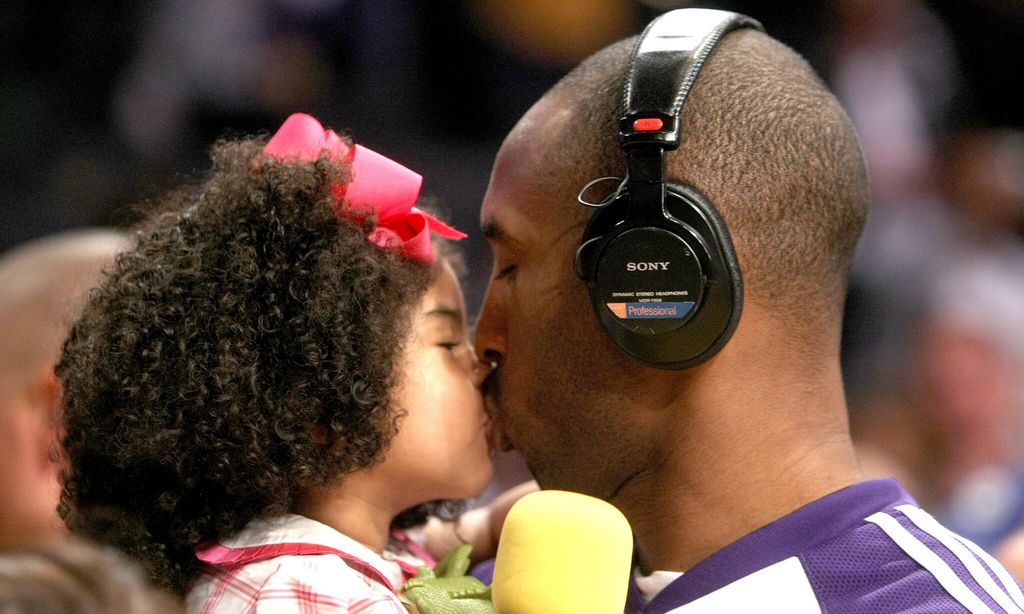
(447, 589)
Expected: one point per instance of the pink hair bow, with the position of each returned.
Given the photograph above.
(378, 184)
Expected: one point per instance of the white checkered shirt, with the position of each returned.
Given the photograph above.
(293, 565)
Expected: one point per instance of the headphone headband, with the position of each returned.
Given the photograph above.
(663, 68)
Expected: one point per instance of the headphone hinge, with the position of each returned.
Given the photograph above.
(646, 165)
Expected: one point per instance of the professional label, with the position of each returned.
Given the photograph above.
(661, 311)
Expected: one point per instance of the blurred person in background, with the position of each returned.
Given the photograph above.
(76, 577)
(952, 428)
(894, 69)
(42, 285)
(984, 178)
(971, 369)
(1011, 554)
(953, 422)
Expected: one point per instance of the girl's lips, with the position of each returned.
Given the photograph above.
(496, 438)
(491, 433)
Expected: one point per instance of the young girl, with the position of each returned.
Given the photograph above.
(273, 380)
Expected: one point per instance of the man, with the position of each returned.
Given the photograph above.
(42, 284)
(738, 471)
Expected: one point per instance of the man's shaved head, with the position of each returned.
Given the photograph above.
(763, 139)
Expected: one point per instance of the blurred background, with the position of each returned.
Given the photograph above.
(105, 104)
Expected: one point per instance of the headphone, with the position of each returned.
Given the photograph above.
(656, 257)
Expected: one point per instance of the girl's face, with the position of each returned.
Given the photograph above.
(441, 450)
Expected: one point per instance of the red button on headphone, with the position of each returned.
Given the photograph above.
(647, 124)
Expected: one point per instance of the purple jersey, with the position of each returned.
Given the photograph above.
(866, 548)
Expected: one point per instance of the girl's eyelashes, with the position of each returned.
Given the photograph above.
(454, 343)
(461, 351)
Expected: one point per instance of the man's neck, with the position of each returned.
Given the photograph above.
(737, 467)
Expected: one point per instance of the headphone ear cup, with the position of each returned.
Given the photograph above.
(666, 288)
(723, 302)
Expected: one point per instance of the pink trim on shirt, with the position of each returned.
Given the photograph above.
(219, 554)
(413, 547)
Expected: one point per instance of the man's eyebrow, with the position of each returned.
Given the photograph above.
(494, 231)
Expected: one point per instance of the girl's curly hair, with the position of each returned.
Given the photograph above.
(240, 354)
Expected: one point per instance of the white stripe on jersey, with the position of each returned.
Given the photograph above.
(930, 561)
(1007, 580)
(929, 525)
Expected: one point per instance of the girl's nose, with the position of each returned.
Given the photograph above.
(481, 369)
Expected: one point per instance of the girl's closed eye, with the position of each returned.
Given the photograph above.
(446, 326)
(461, 350)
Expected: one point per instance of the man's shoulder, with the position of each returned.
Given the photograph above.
(899, 558)
(865, 548)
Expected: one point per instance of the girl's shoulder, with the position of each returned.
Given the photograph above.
(293, 563)
(299, 583)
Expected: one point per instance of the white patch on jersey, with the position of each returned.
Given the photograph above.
(782, 588)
